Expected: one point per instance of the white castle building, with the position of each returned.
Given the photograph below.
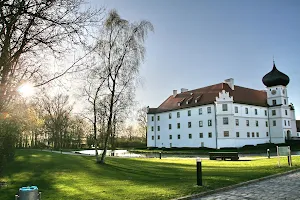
(224, 115)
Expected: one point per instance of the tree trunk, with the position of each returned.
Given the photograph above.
(95, 130)
(109, 124)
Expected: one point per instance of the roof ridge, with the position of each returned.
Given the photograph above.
(202, 87)
(250, 88)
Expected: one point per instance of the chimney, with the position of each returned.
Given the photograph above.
(174, 93)
(184, 90)
(230, 83)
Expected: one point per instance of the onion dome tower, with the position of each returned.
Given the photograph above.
(279, 116)
(275, 77)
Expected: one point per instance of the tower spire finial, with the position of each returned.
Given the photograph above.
(274, 62)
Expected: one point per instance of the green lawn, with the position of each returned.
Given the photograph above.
(63, 177)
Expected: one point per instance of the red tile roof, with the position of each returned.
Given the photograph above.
(207, 95)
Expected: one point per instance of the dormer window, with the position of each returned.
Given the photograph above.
(189, 100)
(197, 98)
(180, 102)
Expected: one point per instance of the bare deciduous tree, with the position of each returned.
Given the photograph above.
(57, 117)
(32, 29)
(121, 50)
(142, 120)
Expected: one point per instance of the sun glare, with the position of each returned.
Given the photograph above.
(26, 90)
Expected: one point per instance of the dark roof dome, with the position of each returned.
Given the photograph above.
(275, 77)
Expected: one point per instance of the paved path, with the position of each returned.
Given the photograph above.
(282, 187)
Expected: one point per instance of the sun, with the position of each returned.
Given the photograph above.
(26, 90)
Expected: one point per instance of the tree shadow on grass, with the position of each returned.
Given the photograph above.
(19, 174)
(75, 177)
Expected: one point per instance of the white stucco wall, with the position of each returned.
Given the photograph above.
(256, 114)
(184, 130)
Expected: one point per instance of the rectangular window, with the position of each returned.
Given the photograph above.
(285, 112)
(189, 124)
(158, 137)
(255, 111)
(248, 134)
(170, 115)
(170, 137)
(209, 122)
(225, 120)
(256, 123)
(189, 112)
(152, 128)
(178, 136)
(210, 135)
(274, 102)
(208, 109)
(226, 133)
(237, 122)
(224, 107)
(246, 110)
(200, 111)
(200, 135)
(273, 112)
(170, 126)
(158, 118)
(253, 134)
(236, 109)
(266, 113)
(237, 134)
(285, 122)
(158, 128)
(288, 122)
(152, 118)
(178, 125)
(274, 122)
(178, 114)
(284, 101)
(152, 137)
(257, 134)
(200, 123)
(267, 134)
(190, 136)
(266, 123)
(247, 122)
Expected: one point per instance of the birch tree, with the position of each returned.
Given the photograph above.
(121, 50)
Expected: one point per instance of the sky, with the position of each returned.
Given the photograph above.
(197, 43)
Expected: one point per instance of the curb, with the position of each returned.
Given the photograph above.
(202, 194)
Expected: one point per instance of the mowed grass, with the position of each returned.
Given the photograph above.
(63, 177)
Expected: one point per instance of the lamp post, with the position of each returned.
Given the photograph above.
(199, 172)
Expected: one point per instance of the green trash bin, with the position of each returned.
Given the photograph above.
(29, 193)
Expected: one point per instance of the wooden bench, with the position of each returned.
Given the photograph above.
(223, 155)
